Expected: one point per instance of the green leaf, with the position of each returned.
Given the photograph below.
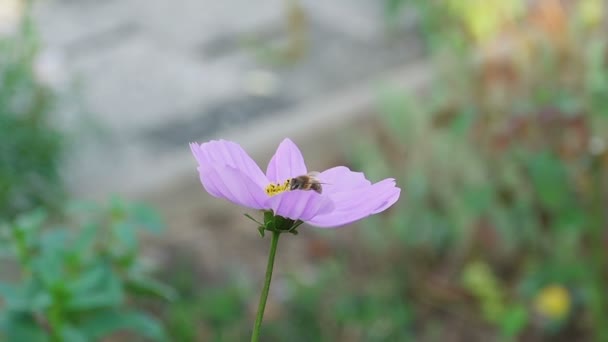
(6, 251)
(117, 204)
(463, 122)
(392, 7)
(478, 198)
(550, 180)
(126, 235)
(91, 278)
(55, 241)
(141, 285)
(81, 207)
(48, 268)
(514, 320)
(146, 217)
(25, 297)
(31, 221)
(70, 333)
(106, 322)
(89, 294)
(572, 219)
(221, 305)
(86, 239)
(13, 296)
(22, 327)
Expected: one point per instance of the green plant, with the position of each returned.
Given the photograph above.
(215, 314)
(75, 281)
(31, 147)
(511, 317)
(505, 159)
(323, 306)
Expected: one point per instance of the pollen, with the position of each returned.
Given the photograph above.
(276, 188)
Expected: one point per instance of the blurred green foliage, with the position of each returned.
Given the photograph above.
(75, 278)
(320, 307)
(503, 158)
(31, 149)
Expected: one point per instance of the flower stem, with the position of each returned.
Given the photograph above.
(255, 335)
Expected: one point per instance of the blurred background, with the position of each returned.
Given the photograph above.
(491, 115)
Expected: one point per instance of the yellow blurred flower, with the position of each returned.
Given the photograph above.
(553, 302)
(591, 11)
(486, 19)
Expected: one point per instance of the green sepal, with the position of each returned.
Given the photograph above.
(282, 223)
(293, 229)
(276, 224)
(252, 219)
(269, 221)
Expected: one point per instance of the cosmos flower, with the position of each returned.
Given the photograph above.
(226, 171)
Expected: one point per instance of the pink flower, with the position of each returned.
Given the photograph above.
(226, 171)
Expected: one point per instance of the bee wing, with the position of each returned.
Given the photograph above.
(315, 175)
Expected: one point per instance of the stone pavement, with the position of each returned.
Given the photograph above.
(156, 74)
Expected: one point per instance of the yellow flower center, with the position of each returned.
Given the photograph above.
(553, 302)
(276, 188)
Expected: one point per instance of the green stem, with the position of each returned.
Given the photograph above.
(255, 335)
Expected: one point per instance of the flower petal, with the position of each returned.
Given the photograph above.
(300, 204)
(286, 163)
(340, 179)
(358, 203)
(227, 153)
(233, 185)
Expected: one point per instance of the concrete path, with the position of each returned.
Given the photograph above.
(156, 74)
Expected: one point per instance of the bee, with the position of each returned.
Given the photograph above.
(308, 181)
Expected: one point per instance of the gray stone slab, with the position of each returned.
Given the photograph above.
(359, 19)
(143, 166)
(72, 24)
(136, 85)
(157, 74)
(192, 23)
